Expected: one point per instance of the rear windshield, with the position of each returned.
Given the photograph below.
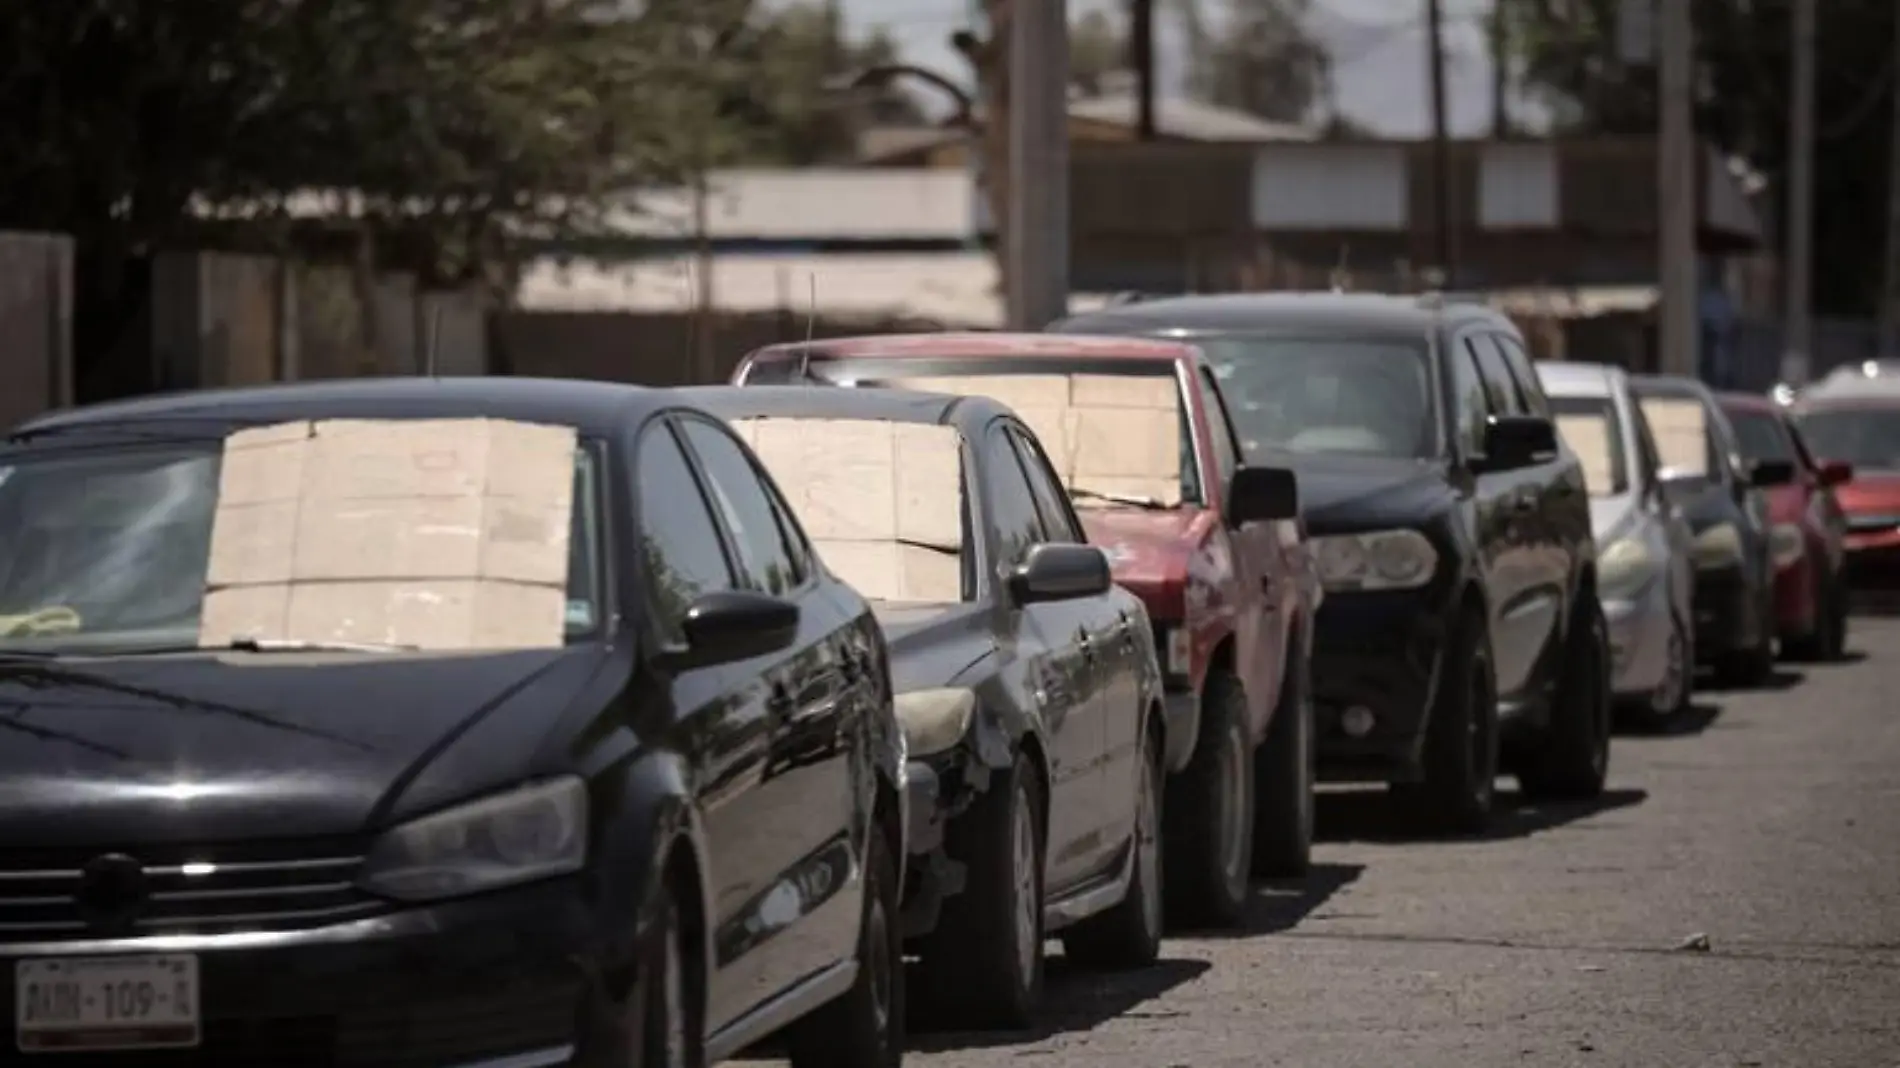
(1593, 429)
(1867, 437)
(1364, 396)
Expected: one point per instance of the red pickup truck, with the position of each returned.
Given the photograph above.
(1214, 548)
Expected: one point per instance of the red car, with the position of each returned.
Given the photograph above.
(1232, 605)
(1861, 429)
(1808, 530)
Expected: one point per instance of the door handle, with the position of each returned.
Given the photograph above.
(1122, 628)
(781, 700)
(1087, 644)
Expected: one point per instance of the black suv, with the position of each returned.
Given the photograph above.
(1461, 632)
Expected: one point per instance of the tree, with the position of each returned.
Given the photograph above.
(1262, 61)
(1567, 55)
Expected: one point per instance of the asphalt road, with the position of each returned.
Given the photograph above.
(1770, 825)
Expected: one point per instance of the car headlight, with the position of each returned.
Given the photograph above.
(1788, 544)
(1380, 560)
(1627, 565)
(934, 720)
(1718, 546)
(535, 832)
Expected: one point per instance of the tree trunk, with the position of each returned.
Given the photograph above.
(990, 60)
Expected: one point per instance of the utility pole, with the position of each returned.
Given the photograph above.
(1442, 221)
(1141, 46)
(1890, 287)
(1038, 242)
(1800, 218)
(1677, 205)
(705, 339)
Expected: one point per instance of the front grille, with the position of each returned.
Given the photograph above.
(206, 890)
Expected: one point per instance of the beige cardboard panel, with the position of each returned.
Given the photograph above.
(1015, 391)
(1053, 428)
(437, 614)
(527, 540)
(531, 462)
(1127, 442)
(252, 437)
(837, 474)
(243, 612)
(394, 538)
(269, 469)
(1680, 428)
(929, 463)
(398, 458)
(929, 577)
(1154, 392)
(252, 543)
(870, 567)
(1589, 437)
(511, 615)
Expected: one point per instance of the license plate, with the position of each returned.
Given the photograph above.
(105, 1003)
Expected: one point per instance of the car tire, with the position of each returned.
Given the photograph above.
(1571, 760)
(1208, 820)
(1828, 640)
(1129, 935)
(982, 965)
(1283, 780)
(865, 1027)
(1748, 668)
(1459, 789)
(671, 1032)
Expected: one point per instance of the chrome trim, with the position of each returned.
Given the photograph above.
(340, 933)
(197, 882)
(772, 1016)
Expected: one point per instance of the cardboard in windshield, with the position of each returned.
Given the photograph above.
(1589, 437)
(442, 534)
(881, 501)
(1116, 434)
(1681, 431)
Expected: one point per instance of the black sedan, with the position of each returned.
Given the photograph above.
(1027, 685)
(412, 722)
(1704, 473)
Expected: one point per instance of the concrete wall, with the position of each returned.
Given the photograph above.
(36, 319)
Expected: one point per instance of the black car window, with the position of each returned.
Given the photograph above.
(1012, 505)
(1499, 388)
(684, 555)
(1219, 426)
(1529, 389)
(1867, 436)
(1339, 394)
(1762, 436)
(1052, 504)
(1470, 404)
(735, 484)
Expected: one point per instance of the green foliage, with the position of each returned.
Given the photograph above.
(1261, 60)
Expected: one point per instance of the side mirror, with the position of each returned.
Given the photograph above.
(1515, 441)
(1059, 572)
(737, 625)
(1765, 473)
(1836, 472)
(1262, 494)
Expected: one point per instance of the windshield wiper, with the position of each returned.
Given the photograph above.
(294, 645)
(930, 546)
(1119, 498)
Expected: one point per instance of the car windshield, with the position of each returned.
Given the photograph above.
(1685, 448)
(1366, 396)
(1116, 431)
(1593, 429)
(108, 550)
(1865, 436)
(1761, 435)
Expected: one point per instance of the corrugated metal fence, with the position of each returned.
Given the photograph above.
(36, 314)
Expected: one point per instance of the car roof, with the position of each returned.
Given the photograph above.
(1288, 311)
(981, 343)
(1737, 401)
(593, 408)
(1671, 385)
(1562, 379)
(843, 402)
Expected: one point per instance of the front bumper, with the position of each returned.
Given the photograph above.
(495, 981)
(1873, 561)
(1726, 612)
(930, 875)
(1378, 651)
(1639, 640)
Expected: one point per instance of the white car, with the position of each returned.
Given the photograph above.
(1645, 575)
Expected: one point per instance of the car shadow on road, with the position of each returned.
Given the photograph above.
(1779, 679)
(1280, 904)
(1373, 816)
(1698, 717)
(1074, 1000)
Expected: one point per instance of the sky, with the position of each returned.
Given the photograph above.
(1379, 53)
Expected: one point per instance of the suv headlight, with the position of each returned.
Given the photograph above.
(934, 720)
(1626, 566)
(535, 832)
(1788, 544)
(1379, 560)
(1719, 546)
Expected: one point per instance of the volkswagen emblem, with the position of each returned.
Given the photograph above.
(112, 891)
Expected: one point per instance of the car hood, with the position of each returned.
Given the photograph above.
(932, 644)
(1348, 493)
(1870, 492)
(214, 747)
(1149, 550)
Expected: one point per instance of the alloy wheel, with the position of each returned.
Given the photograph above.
(1028, 899)
(1234, 804)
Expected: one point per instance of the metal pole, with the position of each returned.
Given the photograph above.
(1677, 205)
(1441, 145)
(1795, 350)
(1141, 42)
(1890, 291)
(1038, 244)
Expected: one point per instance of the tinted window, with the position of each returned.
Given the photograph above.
(1012, 506)
(684, 557)
(1529, 389)
(1500, 389)
(742, 500)
(1052, 505)
(1593, 431)
(1367, 396)
(1219, 426)
(1761, 436)
(1472, 407)
(1866, 437)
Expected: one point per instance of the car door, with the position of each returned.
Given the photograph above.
(1111, 657)
(1044, 642)
(1560, 528)
(1502, 502)
(803, 914)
